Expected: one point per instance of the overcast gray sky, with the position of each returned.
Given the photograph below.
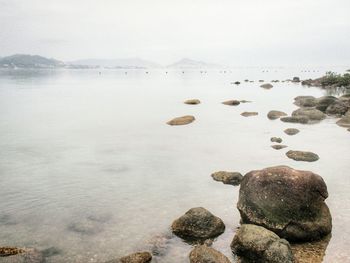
(231, 32)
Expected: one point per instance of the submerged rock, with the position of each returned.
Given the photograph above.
(192, 101)
(258, 244)
(296, 119)
(276, 139)
(310, 113)
(181, 120)
(231, 102)
(198, 224)
(278, 146)
(266, 86)
(20, 255)
(85, 227)
(275, 114)
(291, 131)
(302, 156)
(204, 254)
(232, 178)
(249, 113)
(51, 251)
(286, 201)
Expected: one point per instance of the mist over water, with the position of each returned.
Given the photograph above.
(89, 166)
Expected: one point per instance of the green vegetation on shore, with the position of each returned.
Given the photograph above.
(332, 78)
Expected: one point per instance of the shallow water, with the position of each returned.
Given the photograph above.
(88, 165)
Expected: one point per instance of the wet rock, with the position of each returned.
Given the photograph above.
(249, 113)
(276, 139)
(192, 102)
(231, 102)
(266, 86)
(204, 254)
(233, 178)
(305, 101)
(345, 120)
(159, 244)
(302, 156)
(20, 255)
(286, 201)
(291, 131)
(258, 244)
(181, 120)
(311, 252)
(323, 102)
(296, 79)
(275, 114)
(278, 146)
(311, 114)
(345, 97)
(198, 224)
(295, 119)
(338, 108)
(237, 83)
(139, 257)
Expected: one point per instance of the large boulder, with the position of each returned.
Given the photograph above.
(275, 114)
(205, 254)
(181, 120)
(310, 113)
(20, 255)
(286, 201)
(233, 178)
(305, 101)
(323, 102)
(338, 108)
(198, 224)
(302, 156)
(258, 244)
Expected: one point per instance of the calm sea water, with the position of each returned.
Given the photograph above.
(88, 165)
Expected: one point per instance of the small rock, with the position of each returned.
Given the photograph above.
(237, 83)
(275, 114)
(192, 101)
(249, 113)
(259, 244)
(231, 102)
(302, 156)
(198, 224)
(279, 146)
(345, 120)
(181, 120)
(261, 80)
(139, 257)
(295, 119)
(276, 139)
(296, 79)
(204, 254)
(244, 101)
(266, 86)
(20, 255)
(232, 178)
(291, 131)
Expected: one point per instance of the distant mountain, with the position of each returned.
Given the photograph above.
(29, 61)
(186, 63)
(116, 63)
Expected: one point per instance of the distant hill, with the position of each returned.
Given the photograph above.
(29, 61)
(186, 63)
(116, 63)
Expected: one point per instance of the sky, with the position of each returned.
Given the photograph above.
(227, 32)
